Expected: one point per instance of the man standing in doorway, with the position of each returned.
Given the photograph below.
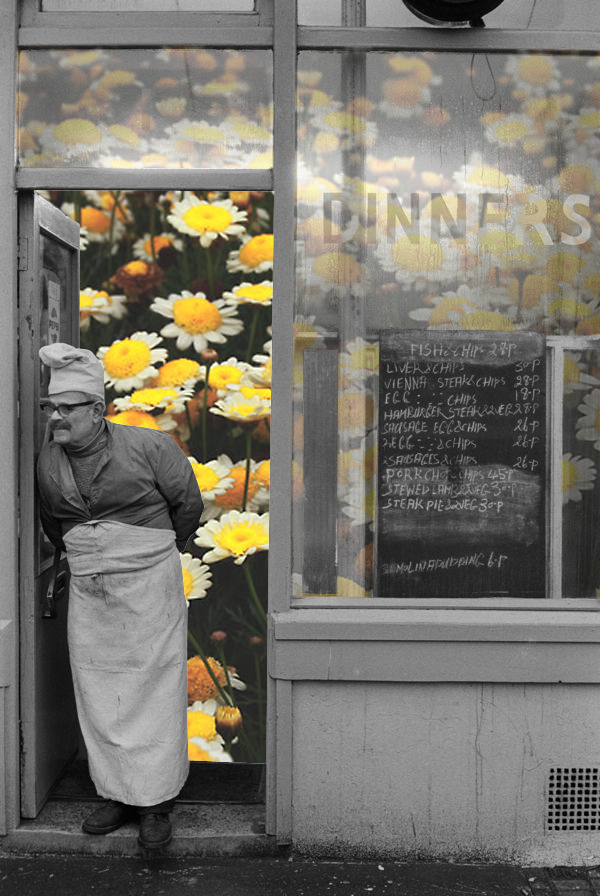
(122, 501)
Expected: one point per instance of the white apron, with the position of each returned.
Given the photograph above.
(127, 630)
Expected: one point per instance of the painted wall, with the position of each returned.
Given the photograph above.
(433, 770)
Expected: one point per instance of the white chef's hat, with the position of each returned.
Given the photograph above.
(73, 369)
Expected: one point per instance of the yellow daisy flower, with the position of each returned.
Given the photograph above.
(236, 535)
(212, 477)
(181, 372)
(254, 256)
(135, 418)
(129, 362)
(242, 410)
(151, 398)
(251, 294)
(148, 247)
(207, 220)
(196, 577)
(196, 321)
(98, 304)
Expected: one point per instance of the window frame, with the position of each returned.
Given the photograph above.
(274, 26)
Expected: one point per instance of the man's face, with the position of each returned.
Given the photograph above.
(77, 427)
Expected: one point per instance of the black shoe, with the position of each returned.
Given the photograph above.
(155, 830)
(108, 817)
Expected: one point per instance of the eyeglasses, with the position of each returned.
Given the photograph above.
(63, 409)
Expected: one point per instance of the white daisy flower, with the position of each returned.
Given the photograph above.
(588, 425)
(207, 220)
(240, 409)
(196, 577)
(578, 475)
(213, 477)
(417, 260)
(196, 321)
(251, 294)
(225, 374)
(574, 377)
(237, 535)
(129, 362)
(148, 247)
(227, 486)
(254, 256)
(151, 398)
(534, 73)
(359, 360)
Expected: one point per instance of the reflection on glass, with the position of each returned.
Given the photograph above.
(124, 108)
(438, 191)
(581, 443)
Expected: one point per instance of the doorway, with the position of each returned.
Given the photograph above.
(174, 296)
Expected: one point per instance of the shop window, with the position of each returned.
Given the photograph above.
(446, 412)
(141, 108)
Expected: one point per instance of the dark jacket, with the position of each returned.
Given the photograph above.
(143, 478)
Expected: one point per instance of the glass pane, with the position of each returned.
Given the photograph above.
(124, 108)
(581, 443)
(437, 193)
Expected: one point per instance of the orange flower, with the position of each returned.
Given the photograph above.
(138, 278)
(200, 685)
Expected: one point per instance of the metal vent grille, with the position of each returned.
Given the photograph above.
(573, 799)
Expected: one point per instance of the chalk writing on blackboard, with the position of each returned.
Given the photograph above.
(461, 464)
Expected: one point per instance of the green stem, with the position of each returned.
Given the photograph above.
(248, 458)
(205, 417)
(195, 644)
(255, 598)
(252, 333)
(209, 273)
(227, 678)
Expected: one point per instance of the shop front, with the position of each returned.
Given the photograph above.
(419, 208)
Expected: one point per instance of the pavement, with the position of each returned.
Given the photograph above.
(165, 875)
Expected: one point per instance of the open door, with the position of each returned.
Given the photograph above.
(48, 312)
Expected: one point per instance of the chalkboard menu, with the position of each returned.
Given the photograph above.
(461, 458)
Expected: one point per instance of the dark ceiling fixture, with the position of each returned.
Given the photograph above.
(452, 13)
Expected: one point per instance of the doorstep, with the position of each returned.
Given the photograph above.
(207, 830)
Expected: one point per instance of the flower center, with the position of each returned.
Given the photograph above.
(571, 370)
(238, 539)
(135, 418)
(177, 372)
(255, 291)
(78, 130)
(534, 70)
(233, 498)
(256, 250)
(510, 131)
(196, 315)
(417, 254)
(205, 476)
(569, 475)
(136, 268)
(187, 582)
(152, 396)
(207, 218)
(204, 134)
(200, 724)
(158, 242)
(221, 375)
(126, 358)
(486, 320)
(95, 220)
